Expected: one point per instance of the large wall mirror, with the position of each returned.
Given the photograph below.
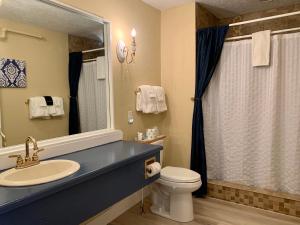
(46, 51)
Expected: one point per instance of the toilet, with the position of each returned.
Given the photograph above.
(172, 192)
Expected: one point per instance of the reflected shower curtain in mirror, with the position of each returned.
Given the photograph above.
(252, 117)
(92, 99)
(209, 47)
(75, 63)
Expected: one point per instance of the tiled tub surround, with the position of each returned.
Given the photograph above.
(108, 174)
(284, 203)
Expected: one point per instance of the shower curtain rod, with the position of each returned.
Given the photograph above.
(89, 60)
(93, 50)
(273, 33)
(265, 18)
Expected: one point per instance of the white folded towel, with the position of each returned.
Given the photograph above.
(51, 109)
(57, 109)
(161, 99)
(151, 99)
(101, 68)
(261, 42)
(146, 102)
(139, 101)
(38, 108)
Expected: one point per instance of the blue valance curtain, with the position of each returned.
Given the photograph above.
(75, 64)
(208, 51)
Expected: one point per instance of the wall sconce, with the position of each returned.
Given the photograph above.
(123, 51)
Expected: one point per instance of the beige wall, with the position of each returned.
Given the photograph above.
(124, 15)
(46, 69)
(178, 76)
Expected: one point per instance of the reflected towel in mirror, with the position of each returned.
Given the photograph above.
(57, 109)
(38, 107)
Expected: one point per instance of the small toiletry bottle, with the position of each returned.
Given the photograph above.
(140, 136)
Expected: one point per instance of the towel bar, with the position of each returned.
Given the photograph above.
(194, 99)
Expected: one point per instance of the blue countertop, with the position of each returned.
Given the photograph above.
(93, 162)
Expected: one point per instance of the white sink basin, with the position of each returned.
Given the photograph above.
(46, 171)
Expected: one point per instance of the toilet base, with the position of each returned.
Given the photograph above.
(181, 208)
(159, 211)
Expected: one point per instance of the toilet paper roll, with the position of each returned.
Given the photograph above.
(153, 169)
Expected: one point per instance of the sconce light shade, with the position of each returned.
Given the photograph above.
(121, 51)
(125, 53)
(133, 33)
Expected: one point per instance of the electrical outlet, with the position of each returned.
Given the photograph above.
(130, 117)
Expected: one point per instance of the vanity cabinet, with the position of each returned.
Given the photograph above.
(108, 174)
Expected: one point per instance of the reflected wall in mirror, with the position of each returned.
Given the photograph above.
(57, 98)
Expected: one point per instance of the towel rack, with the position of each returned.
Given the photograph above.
(194, 99)
(4, 32)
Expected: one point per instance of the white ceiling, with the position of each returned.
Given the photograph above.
(225, 8)
(50, 17)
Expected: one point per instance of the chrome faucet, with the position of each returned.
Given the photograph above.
(28, 161)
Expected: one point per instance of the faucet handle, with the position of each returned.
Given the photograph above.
(35, 156)
(20, 160)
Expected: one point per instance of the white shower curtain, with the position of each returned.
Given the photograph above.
(252, 117)
(91, 99)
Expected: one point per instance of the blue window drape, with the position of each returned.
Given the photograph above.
(75, 64)
(209, 47)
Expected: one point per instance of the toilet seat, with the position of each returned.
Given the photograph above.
(179, 175)
(179, 186)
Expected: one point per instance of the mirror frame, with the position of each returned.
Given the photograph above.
(109, 132)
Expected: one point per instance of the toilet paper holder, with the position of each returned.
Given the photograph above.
(148, 162)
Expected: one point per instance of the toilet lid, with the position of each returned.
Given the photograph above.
(179, 175)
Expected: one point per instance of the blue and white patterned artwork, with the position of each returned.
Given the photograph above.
(12, 73)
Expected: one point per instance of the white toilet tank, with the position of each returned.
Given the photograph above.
(161, 143)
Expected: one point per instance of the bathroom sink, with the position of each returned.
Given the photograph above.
(44, 172)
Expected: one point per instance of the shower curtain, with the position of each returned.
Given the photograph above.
(92, 99)
(252, 117)
(75, 65)
(210, 42)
